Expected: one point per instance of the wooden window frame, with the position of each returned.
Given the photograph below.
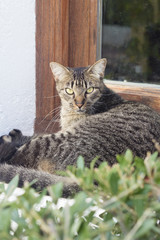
(68, 32)
(148, 94)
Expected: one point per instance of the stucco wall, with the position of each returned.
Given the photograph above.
(17, 65)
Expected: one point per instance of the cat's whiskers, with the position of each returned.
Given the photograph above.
(50, 113)
(56, 120)
(53, 120)
(52, 96)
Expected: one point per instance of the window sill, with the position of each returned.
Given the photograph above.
(148, 94)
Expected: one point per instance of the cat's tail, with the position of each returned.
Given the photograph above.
(43, 179)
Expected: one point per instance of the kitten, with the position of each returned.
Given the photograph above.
(95, 121)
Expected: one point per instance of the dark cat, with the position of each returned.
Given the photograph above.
(95, 121)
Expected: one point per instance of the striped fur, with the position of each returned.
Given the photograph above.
(101, 124)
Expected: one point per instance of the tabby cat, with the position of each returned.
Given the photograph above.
(95, 121)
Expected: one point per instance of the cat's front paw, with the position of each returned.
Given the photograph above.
(5, 139)
(13, 136)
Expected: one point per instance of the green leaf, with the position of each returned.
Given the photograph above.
(113, 181)
(126, 159)
(80, 204)
(80, 163)
(129, 156)
(55, 191)
(153, 157)
(12, 186)
(93, 162)
(106, 216)
(139, 205)
(147, 225)
(5, 219)
(120, 159)
(139, 164)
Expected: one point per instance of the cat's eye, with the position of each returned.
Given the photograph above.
(90, 90)
(69, 91)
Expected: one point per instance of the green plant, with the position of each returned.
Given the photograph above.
(128, 195)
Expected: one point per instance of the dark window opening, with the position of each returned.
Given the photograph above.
(131, 40)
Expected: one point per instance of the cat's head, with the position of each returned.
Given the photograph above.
(79, 88)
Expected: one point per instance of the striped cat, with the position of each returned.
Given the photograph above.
(95, 121)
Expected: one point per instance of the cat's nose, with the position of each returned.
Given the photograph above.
(79, 103)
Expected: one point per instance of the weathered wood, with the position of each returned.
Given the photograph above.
(52, 25)
(93, 31)
(82, 32)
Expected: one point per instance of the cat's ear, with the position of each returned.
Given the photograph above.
(98, 68)
(59, 71)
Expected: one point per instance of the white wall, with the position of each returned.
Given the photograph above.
(17, 65)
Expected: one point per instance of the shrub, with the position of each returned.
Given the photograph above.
(122, 202)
